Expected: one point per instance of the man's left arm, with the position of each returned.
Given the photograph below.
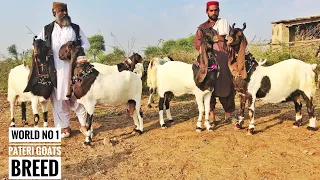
(84, 40)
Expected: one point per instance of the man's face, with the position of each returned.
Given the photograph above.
(63, 17)
(213, 12)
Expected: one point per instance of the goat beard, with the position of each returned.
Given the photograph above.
(64, 20)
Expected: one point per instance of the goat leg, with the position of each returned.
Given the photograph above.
(89, 129)
(251, 102)
(45, 119)
(23, 110)
(298, 106)
(242, 108)
(312, 118)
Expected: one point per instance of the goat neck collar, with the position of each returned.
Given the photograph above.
(44, 79)
(82, 59)
(128, 63)
(83, 74)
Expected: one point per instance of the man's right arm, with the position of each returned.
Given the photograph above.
(196, 40)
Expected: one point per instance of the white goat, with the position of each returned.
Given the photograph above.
(17, 82)
(119, 88)
(152, 76)
(176, 77)
(281, 82)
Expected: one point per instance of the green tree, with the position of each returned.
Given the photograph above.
(167, 46)
(97, 45)
(113, 58)
(153, 51)
(13, 51)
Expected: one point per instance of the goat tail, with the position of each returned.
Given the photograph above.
(152, 75)
(313, 66)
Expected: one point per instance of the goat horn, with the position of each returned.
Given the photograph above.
(233, 25)
(260, 62)
(34, 38)
(244, 26)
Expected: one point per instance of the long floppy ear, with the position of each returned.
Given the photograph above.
(75, 52)
(33, 74)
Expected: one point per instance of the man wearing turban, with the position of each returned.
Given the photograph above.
(56, 34)
(224, 86)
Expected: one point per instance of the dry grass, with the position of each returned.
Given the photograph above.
(310, 33)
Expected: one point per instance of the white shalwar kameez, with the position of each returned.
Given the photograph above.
(61, 104)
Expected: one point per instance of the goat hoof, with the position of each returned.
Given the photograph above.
(164, 126)
(238, 126)
(311, 128)
(45, 124)
(210, 129)
(296, 124)
(149, 106)
(171, 121)
(250, 132)
(86, 143)
(198, 129)
(137, 131)
(12, 125)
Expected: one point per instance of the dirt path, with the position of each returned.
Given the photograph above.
(276, 151)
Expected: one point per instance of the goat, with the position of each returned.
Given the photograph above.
(239, 63)
(127, 65)
(285, 81)
(152, 75)
(37, 90)
(237, 44)
(176, 78)
(91, 87)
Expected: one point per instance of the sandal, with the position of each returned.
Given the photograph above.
(65, 133)
(232, 119)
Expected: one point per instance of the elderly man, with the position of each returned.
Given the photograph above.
(56, 34)
(224, 87)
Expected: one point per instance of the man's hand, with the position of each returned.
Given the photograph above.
(215, 39)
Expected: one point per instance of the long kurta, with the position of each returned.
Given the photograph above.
(61, 36)
(223, 84)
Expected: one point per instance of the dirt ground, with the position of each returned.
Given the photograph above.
(275, 151)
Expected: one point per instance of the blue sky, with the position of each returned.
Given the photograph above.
(145, 20)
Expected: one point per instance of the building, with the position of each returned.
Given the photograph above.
(287, 31)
